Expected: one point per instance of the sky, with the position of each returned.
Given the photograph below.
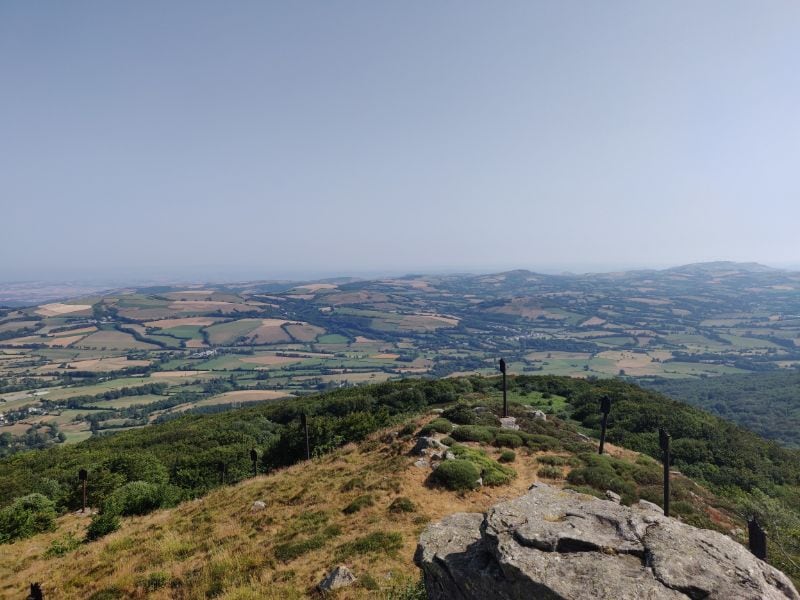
(280, 139)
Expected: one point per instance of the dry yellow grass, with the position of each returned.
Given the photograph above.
(114, 339)
(244, 396)
(269, 359)
(176, 374)
(218, 546)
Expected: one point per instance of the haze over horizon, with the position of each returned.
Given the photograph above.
(195, 139)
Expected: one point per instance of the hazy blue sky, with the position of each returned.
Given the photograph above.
(341, 137)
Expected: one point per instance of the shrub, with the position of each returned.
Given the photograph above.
(457, 475)
(355, 482)
(101, 525)
(507, 440)
(401, 505)
(368, 582)
(550, 459)
(491, 471)
(606, 473)
(550, 472)
(473, 433)
(437, 425)
(507, 456)
(447, 441)
(27, 516)
(461, 414)
(357, 504)
(546, 443)
(407, 430)
(138, 498)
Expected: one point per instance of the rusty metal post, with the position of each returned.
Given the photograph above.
(505, 387)
(223, 468)
(605, 408)
(664, 440)
(304, 425)
(254, 458)
(83, 476)
(757, 538)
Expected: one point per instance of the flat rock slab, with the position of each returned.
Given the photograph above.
(553, 543)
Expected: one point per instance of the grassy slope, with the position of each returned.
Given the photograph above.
(217, 547)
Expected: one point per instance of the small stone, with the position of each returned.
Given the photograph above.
(614, 497)
(437, 411)
(584, 437)
(539, 415)
(340, 577)
(258, 505)
(421, 463)
(479, 482)
(449, 455)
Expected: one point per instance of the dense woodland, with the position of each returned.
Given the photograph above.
(766, 403)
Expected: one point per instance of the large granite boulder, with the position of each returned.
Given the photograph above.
(558, 544)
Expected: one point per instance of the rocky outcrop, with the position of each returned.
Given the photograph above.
(558, 544)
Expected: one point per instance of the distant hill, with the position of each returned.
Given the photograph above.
(723, 266)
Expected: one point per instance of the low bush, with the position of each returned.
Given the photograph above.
(27, 516)
(491, 471)
(447, 441)
(438, 426)
(460, 414)
(456, 475)
(101, 525)
(354, 483)
(402, 505)
(550, 472)
(61, 546)
(473, 433)
(291, 550)
(507, 440)
(551, 459)
(139, 498)
(507, 456)
(359, 503)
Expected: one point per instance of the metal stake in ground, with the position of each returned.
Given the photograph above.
(605, 408)
(505, 388)
(663, 440)
(304, 425)
(757, 539)
(254, 458)
(82, 477)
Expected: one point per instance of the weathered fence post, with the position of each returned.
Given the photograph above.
(757, 538)
(505, 388)
(605, 408)
(663, 440)
(36, 592)
(304, 425)
(83, 475)
(223, 468)
(254, 458)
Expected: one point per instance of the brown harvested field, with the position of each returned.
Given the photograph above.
(107, 364)
(189, 294)
(270, 332)
(47, 341)
(304, 332)
(167, 323)
(386, 355)
(57, 309)
(651, 301)
(315, 287)
(593, 322)
(269, 360)
(558, 355)
(244, 396)
(176, 374)
(196, 344)
(360, 339)
(115, 339)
